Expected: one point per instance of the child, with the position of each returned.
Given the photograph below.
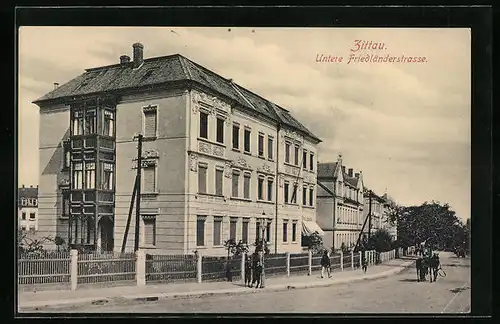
(325, 264)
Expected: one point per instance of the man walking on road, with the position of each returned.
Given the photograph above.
(326, 264)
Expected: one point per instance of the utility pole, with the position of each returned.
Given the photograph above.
(138, 196)
(369, 215)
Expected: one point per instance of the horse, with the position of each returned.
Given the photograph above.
(434, 266)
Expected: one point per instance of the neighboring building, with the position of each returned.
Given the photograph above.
(27, 208)
(380, 206)
(339, 204)
(218, 160)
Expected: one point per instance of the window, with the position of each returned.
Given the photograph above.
(200, 231)
(269, 147)
(236, 137)
(287, 152)
(149, 178)
(285, 188)
(246, 186)
(293, 199)
(304, 159)
(304, 196)
(78, 175)
(247, 140)
(109, 123)
(66, 202)
(218, 182)
(311, 162)
(150, 122)
(294, 232)
(220, 130)
(232, 228)
(235, 183)
(149, 229)
(257, 231)
(203, 125)
(244, 231)
(77, 123)
(67, 155)
(202, 179)
(32, 216)
(296, 155)
(90, 175)
(268, 231)
(217, 231)
(261, 145)
(311, 196)
(23, 215)
(90, 122)
(285, 230)
(107, 176)
(270, 189)
(260, 189)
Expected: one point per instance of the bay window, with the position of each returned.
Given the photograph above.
(77, 123)
(107, 176)
(89, 175)
(109, 123)
(90, 122)
(78, 175)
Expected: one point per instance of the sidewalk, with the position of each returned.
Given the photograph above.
(44, 299)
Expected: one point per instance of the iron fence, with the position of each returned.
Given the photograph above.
(335, 262)
(46, 267)
(346, 259)
(275, 264)
(356, 260)
(215, 268)
(170, 268)
(106, 267)
(299, 262)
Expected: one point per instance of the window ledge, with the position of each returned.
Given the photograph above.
(211, 142)
(270, 159)
(291, 204)
(241, 199)
(247, 153)
(308, 207)
(156, 193)
(149, 138)
(201, 194)
(236, 150)
(265, 201)
(147, 246)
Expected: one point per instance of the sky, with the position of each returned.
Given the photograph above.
(406, 126)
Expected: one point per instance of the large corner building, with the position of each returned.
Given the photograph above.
(218, 160)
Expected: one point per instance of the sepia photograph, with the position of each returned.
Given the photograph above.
(244, 170)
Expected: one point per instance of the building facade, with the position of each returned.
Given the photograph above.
(27, 208)
(380, 208)
(339, 204)
(218, 161)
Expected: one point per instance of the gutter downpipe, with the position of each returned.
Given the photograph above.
(278, 144)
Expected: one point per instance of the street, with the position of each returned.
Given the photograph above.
(397, 294)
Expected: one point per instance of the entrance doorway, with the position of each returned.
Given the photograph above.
(106, 234)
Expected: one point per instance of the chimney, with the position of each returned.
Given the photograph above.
(56, 85)
(350, 172)
(23, 186)
(356, 175)
(138, 54)
(124, 59)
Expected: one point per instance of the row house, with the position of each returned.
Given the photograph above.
(27, 208)
(380, 208)
(339, 204)
(218, 160)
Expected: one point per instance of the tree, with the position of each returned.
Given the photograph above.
(31, 244)
(233, 249)
(380, 241)
(313, 242)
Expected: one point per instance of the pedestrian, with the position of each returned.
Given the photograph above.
(326, 264)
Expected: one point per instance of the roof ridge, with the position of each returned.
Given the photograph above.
(184, 68)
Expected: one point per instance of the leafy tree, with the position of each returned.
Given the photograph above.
(31, 244)
(313, 242)
(381, 241)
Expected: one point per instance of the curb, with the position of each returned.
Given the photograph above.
(200, 294)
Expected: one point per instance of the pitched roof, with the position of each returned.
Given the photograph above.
(351, 180)
(164, 70)
(25, 192)
(327, 170)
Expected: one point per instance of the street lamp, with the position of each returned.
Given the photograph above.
(263, 227)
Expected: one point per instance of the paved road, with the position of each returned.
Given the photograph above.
(397, 294)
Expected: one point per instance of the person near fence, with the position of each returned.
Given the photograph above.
(248, 271)
(257, 270)
(364, 261)
(326, 264)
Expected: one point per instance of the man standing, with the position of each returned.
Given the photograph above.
(326, 264)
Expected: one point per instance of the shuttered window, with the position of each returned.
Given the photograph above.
(235, 183)
(218, 182)
(220, 130)
(304, 159)
(296, 156)
(232, 228)
(311, 162)
(260, 189)
(269, 147)
(149, 179)
(257, 231)
(246, 186)
(287, 152)
(311, 196)
(304, 196)
(270, 189)
(149, 229)
(261, 144)
(236, 137)
(203, 125)
(217, 230)
(294, 232)
(200, 231)
(285, 230)
(244, 231)
(150, 122)
(246, 140)
(285, 191)
(202, 178)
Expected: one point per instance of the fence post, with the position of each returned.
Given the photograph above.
(341, 261)
(352, 260)
(360, 259)
(243, 257)
(310, 262)
(198, 268)
(288, 264)
(140, 267)
(74, 269)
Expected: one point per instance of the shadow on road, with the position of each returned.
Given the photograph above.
(456, 265)
(408, 280)
(459, 289)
